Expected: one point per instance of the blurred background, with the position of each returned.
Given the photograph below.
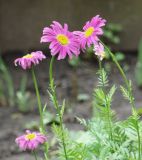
(21, 25)
(22, 21)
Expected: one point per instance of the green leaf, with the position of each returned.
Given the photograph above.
(125, 93)
(111, 92)
(62, 108)
(119, 56)
(103, 78)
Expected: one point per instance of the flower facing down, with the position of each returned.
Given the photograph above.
(91, 31)
(30, 140)
(62, 41)
(28, 60)
(99, 51)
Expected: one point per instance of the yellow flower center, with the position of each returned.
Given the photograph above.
(62, 39)
(89, 32)
(30, 136)
(28, 56)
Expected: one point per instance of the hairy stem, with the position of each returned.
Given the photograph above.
(53, 92)
(42, 127)
(107, 105)
(132, 102)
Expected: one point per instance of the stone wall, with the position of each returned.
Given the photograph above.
(22, 21)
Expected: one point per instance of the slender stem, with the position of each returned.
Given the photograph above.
(122, 73)
(52, 87)
(42, 127)
(39, 101)
(132, 101)
(34, 153)
(107, 104)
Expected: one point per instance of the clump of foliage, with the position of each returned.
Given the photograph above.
(8, 95)
(112, 31)
(104, 137)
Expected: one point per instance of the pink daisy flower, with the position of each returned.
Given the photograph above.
(91, 31)
(28, 60)
(99, 51)
(30, 140)
(62, 41)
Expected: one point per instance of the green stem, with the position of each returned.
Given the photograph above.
(53, 92)
(122, 74)
(39, 101)
(107, 105)
(42, 127)
(132, 102)
(34, 153)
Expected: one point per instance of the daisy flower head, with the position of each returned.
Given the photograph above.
(62, 41)
(30, 140)
(28, 60)
(91, 30)
(99, 51)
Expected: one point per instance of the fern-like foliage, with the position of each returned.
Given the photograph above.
(94, 143)
(102, 78)
(102, 99)
(127, 93)
(103, 138)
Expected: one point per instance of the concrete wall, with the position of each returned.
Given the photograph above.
(22, 21)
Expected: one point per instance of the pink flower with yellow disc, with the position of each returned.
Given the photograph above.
(28, 60)
(62, 41)
(30, 140)
(99, 51)
(91, 31)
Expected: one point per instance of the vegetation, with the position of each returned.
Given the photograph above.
(138, 73)
(103, 137)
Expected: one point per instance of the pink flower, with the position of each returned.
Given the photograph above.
(99, 51)
(28, 60)
(62, 41)
(91, 31)
(30, 140)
